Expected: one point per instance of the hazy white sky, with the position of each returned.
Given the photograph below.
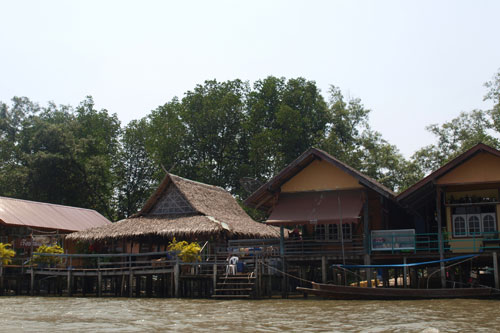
(412, 63)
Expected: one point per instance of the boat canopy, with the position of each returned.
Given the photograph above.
(468, 256)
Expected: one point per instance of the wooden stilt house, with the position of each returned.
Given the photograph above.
(460, 200)
(334, 207)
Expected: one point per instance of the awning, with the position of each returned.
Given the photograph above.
(326, 207)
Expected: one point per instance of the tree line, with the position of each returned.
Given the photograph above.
(232, 134)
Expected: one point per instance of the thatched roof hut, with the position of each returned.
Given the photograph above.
(184, 209)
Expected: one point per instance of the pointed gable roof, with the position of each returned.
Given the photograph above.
(447, 168)
(265, 193)
(200, 210)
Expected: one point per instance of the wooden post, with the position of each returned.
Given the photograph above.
(32, 282)
(495, 270)
(122, 285)
(214, 277)
(69, 283)
(149, 285)
(1, 278)
(366, 226)
(282, 240)
(176, 279)
(405, 274)
(130, 283)
(323, 269)
(270, 273)
(367, 261)
(440, 237)
(99, 278)
(284, 293)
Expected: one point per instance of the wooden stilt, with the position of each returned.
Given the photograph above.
(122, 287)
(130, 283)
(270, 279)
(495, 270)
(149, 285)
(99, 284)
(1, 279)
(32, 284)
(323, 270)
(138, 285)
(176, 279)
(69, 284)
(368, 271)
(259, 278)
(284, 293)
(214, 278)
(405, 274)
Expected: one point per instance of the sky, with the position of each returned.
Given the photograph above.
(412, 63)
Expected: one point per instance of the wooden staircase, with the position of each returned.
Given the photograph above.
(236, 286)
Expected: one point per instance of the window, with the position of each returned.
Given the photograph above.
(488, 222)
(319, 231)
(459, 226)
(347, 230)
(473, 221)
(332, 231)
(474, 225)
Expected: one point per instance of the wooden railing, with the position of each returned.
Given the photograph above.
(296, 247)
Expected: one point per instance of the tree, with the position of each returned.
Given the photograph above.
(212, 115)
(284, 119)
(165, 138)
(134, 169)
(57, 154)
(351, 140)
(462, 133)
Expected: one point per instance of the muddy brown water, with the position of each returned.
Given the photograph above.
(51, 314)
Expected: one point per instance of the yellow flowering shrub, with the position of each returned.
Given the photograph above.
(54, 249)
(187, 252)
(6, 253)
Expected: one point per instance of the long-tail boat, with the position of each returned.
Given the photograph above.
(346, 292)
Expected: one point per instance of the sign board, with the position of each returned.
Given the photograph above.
(393, 240)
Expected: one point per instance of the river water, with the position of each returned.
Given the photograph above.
(58, 314)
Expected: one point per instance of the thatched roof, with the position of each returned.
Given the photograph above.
(184, 208)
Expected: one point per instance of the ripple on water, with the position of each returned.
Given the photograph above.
(137, 315)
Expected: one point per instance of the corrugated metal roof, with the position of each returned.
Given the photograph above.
(43, 215)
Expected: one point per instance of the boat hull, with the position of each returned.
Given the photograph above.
(344, 292)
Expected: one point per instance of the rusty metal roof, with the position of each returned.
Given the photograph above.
(34, 214)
